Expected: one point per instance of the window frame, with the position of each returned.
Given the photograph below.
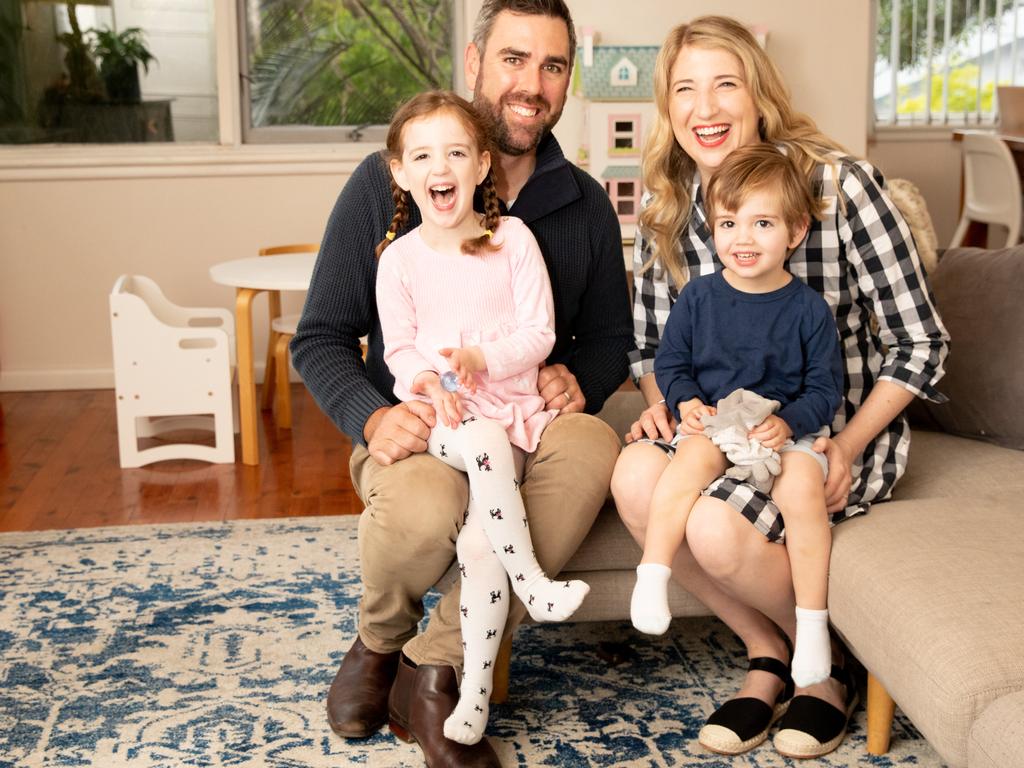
(936, 121)
(633, 135)
(612, 188)
(229, 155)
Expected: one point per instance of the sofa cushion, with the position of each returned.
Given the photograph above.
(926, 593)
(997, 738)
(977, 292)
(607, 561)
(910, 202)
(943, 465)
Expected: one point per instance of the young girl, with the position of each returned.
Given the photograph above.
(465, 302)
(754, 327)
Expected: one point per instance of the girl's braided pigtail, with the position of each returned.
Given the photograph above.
(398, 220)
(492, 218)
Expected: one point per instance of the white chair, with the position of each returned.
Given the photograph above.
(992, 193)
(172, 371)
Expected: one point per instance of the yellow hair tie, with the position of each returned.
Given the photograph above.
(489, 233)
(390, 235)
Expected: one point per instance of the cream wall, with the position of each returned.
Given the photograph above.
(67, 232)
(931, 159)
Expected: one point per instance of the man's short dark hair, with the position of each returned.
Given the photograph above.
(491, 8)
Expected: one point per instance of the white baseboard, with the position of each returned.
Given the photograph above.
(82, 378)
(39, 381)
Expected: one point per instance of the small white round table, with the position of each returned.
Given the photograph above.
(251, 276)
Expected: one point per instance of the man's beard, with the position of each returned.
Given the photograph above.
(509, 141)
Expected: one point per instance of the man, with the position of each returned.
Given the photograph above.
(518, 66)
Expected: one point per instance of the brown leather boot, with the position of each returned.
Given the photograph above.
(357, 704)
(421, 699)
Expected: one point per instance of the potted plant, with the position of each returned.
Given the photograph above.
(120, 53)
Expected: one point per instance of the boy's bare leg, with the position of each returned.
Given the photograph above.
(799, 492)
(696, 464)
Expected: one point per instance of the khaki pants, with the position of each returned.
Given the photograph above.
(414, 509)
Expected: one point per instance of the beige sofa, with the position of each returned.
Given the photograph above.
(926, 588)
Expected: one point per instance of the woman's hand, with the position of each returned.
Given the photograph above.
(772, 433)
(447, 405)
(464, 362)
(840, 474)
(655, 421)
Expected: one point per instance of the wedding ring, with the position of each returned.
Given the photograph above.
(568, 397)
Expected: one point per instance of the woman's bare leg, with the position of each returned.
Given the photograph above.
(749, 588)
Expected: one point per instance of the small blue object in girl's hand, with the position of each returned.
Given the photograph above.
(450, 381)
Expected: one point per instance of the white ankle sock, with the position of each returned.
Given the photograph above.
(648, 608)
(812, 656)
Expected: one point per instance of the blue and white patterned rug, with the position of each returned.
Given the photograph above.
(214, 645)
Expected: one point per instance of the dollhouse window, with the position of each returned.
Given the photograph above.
(623, 74)
(625, 196)
(624, 135)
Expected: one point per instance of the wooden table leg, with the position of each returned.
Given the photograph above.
(270, 371)
(247, 411)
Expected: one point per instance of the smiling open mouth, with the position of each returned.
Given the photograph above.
(712, 135)
(442, 196)
(745, 259)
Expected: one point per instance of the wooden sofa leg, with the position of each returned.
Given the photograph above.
(881, 709)
(500, 693)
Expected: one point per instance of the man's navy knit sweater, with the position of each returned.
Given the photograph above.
(573, 221)
(783, 345)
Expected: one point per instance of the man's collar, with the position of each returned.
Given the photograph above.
(551, 185)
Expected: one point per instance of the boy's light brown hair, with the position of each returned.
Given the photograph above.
(762, 168)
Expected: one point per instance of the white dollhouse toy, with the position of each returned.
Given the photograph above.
(616, 83)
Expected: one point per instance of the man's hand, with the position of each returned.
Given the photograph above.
(772, 433)
(655, 421)
(690, 414)
(840, 477)
(560, 390)
(395, 433)
(464, 362)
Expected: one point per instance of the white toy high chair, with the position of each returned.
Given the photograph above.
(173, 369)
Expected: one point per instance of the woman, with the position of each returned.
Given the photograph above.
(716, 90)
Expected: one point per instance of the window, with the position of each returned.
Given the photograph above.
(310, 70)
(335, 71)
(106, 71)
(623, 135)
(939, 61)
(625, 197)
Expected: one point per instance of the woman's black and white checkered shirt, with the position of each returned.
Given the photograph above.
(863, 261)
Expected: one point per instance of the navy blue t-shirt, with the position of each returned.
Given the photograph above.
(783, 345)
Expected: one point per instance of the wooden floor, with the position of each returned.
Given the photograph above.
(59, 469)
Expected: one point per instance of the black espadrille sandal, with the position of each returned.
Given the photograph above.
(812, 727)
(741, 724)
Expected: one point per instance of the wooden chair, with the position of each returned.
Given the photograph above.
(282, 329)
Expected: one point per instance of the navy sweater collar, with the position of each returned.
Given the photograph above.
(551, 186)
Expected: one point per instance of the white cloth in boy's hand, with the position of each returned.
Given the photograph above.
(738, 413)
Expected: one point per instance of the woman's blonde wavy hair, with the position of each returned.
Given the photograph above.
(668, 170)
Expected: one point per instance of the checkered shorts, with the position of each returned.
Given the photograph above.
(756, 506)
